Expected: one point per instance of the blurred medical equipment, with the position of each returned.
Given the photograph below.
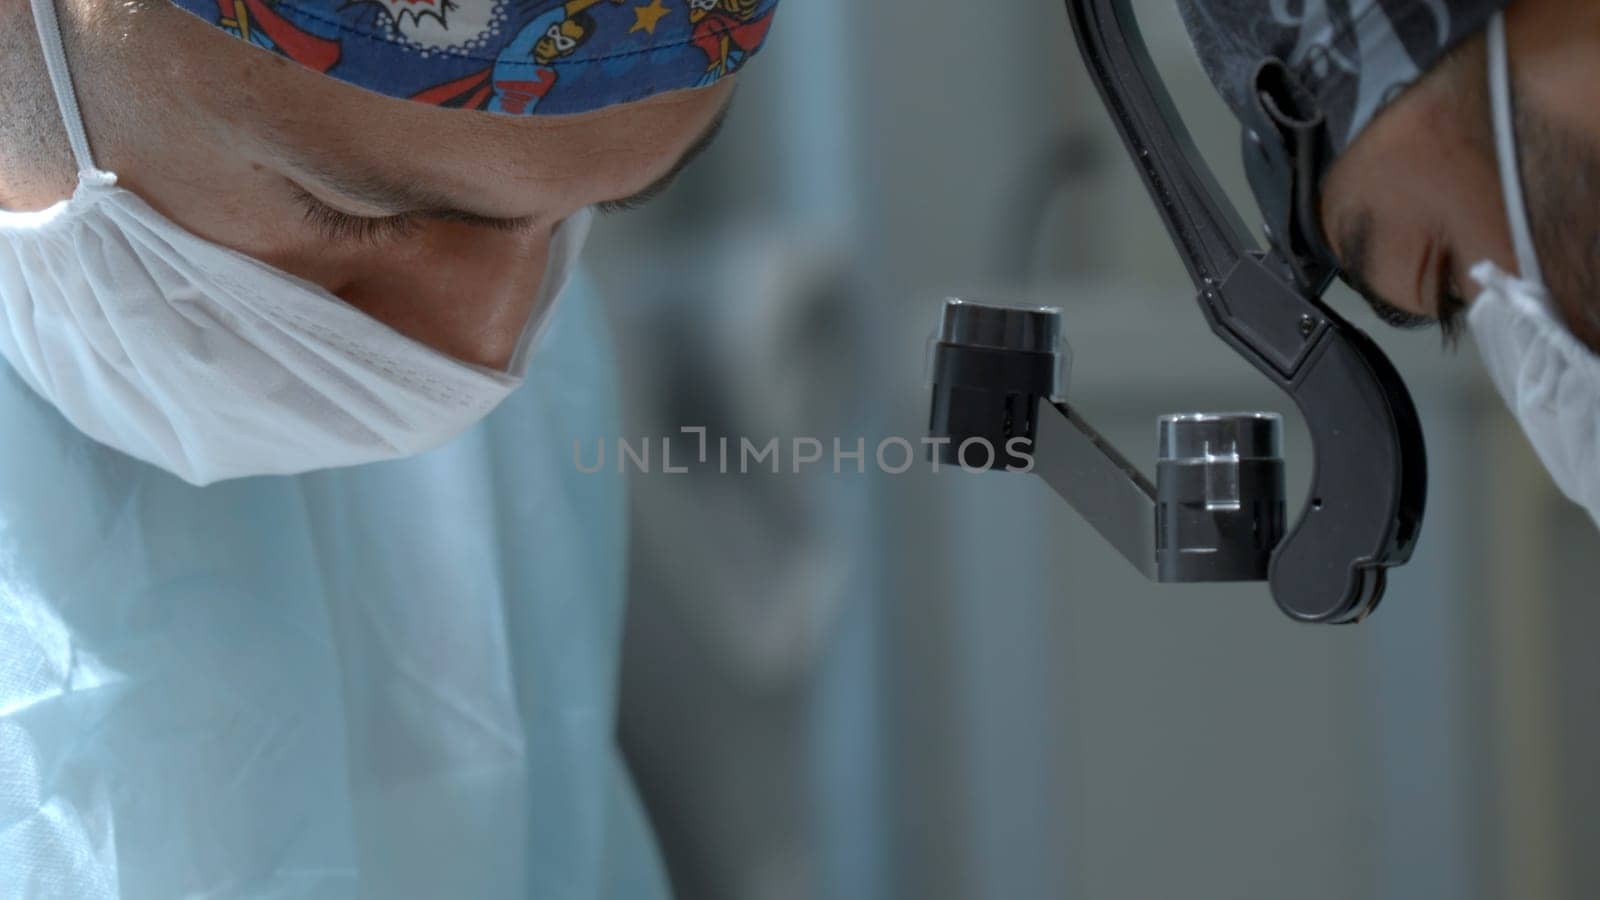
(739, 307)
(1216, 512)
(739, 579)
(767, 346)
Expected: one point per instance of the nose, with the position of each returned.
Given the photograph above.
(464, 290)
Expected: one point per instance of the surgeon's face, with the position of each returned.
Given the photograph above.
(434, 221)
(1416, 200)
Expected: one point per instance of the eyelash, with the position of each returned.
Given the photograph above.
(1450, 306)
(612, 207)
(336, 225)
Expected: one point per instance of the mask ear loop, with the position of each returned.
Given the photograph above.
(55, 62)
(1505, 142)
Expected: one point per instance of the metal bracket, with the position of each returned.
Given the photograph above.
(1369, 481)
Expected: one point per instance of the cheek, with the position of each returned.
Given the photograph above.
(245, 206)
(1473, 217)
(218, 193)
(1454, 217)
(1427, 198)
(1403, 209)
(464, 292)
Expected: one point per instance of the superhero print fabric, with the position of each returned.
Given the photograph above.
(514, 57)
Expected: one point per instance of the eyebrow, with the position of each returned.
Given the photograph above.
(659, 186)
(1355, 252)
(412, 200)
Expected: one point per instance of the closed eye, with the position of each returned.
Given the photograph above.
(695, 151)
(340, 226)
(1448, 306)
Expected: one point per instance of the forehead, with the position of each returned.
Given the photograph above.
(263, 105)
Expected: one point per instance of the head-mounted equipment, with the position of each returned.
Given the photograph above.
(1216, 511)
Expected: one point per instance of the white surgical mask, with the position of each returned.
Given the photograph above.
(1550, 380)
(208, 363)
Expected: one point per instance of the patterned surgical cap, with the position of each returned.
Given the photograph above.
(1354, 56)
(514, 57)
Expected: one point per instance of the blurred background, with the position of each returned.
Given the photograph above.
(945, 685)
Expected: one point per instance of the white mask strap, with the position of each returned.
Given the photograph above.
(55, 61)
(1505, 142)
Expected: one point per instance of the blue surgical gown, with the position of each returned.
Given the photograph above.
(396, 680)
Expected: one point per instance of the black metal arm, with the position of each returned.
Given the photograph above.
(1370, 476)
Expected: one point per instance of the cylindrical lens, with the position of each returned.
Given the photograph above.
(991, 366)
(1204, 435)
(1024, 329)
(1220, 494)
